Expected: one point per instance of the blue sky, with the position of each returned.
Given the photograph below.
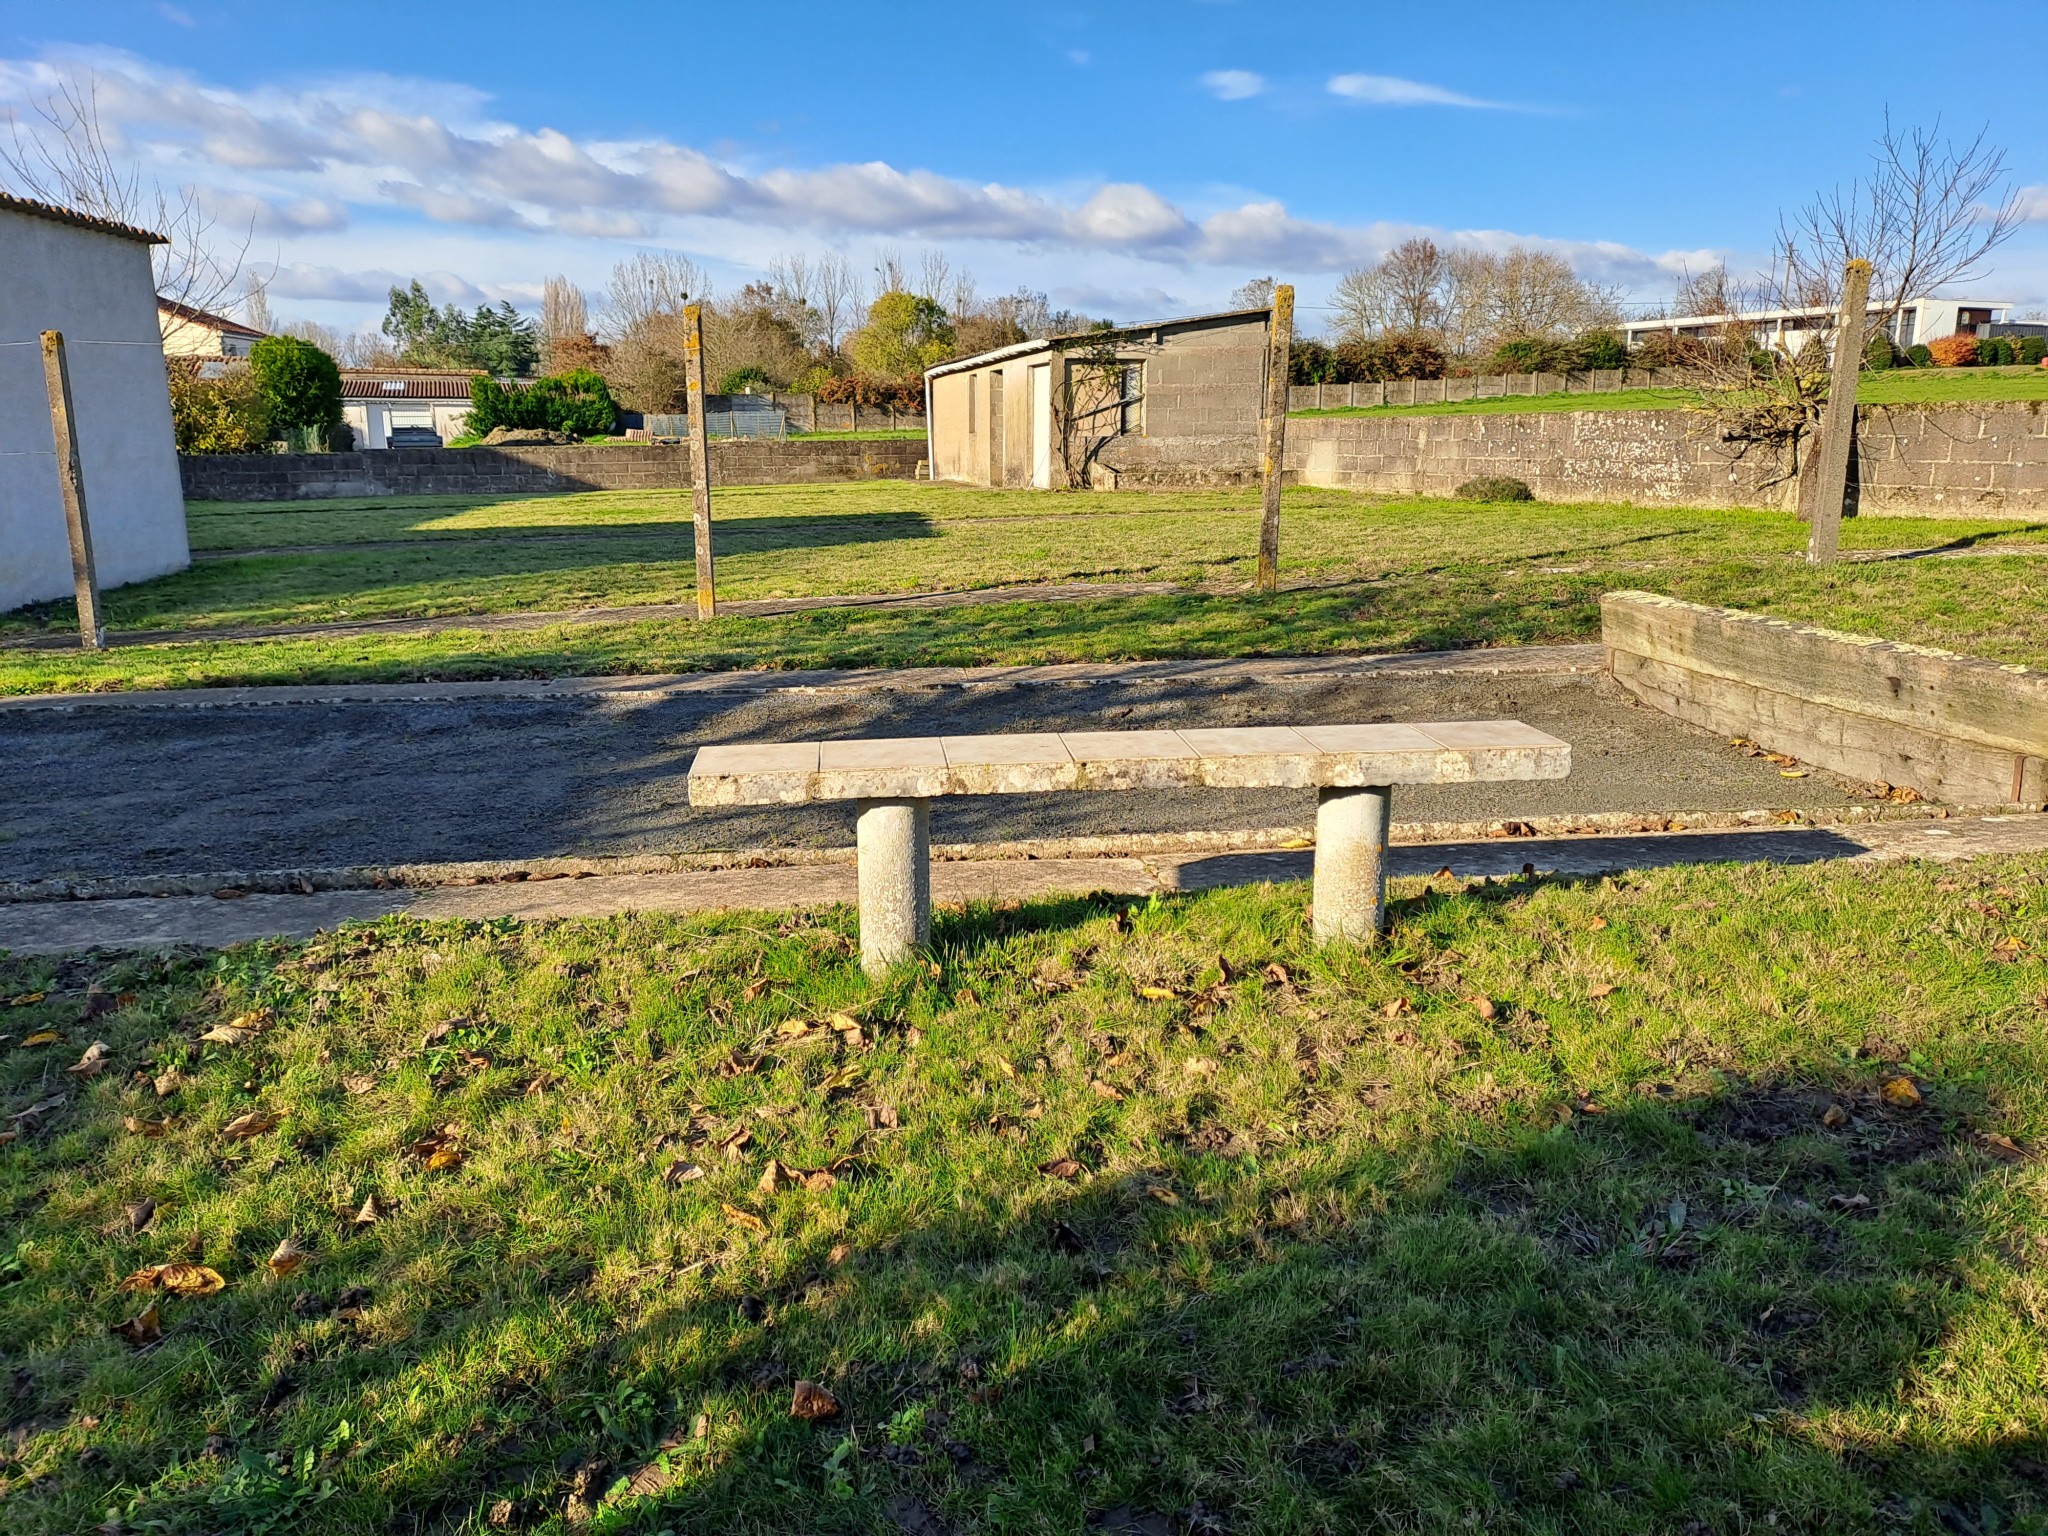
(1131, 159)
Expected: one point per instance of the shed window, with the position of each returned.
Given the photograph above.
(971, 407)
(1132, 417)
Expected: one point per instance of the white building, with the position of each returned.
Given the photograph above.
(190, 332)
(1918, 321)
(89, 278)
(405, 407)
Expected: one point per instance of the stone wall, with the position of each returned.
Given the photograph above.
(1482, 386)
(1954, 728)
(1931, 460)
(538, 471)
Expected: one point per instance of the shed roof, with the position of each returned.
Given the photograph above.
(406, 383)
(1046, 343)
(11, 204)
(206, 319)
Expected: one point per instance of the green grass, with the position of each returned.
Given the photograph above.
(869, 435)
(1902, 386)
(1402, 574)
(1342, 1251)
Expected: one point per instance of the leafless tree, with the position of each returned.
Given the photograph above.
(1253, 293)
(60, 154)
(890, 274)
(1710, 292)
(1402, 291)
(564, 311)
(1928, 213)
(256, 304)
(838, 300)
(650, 286)
(934, 275)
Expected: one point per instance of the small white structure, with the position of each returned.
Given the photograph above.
(89, 278)
(405, 407)
(1918, 320)
(190, 332)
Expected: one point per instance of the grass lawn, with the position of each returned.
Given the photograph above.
(1699, 1201)
(1901, 386)
(1402, 573)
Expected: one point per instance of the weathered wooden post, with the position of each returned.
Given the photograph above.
(700, 455)
(1829, 486)
(1279, 346)
(92, 627)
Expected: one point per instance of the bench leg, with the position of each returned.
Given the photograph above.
(1351, 864)
(894, 843)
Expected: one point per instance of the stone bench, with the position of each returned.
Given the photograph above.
(892, 781)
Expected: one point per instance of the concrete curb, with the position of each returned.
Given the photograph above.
(368, 877)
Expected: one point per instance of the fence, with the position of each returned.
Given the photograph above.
(1488, 386)
(741, 416)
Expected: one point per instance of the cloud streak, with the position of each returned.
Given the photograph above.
(1393, 91)
(1234, 84)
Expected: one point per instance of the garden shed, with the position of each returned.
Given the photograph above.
(91, 279)
(1168, 402)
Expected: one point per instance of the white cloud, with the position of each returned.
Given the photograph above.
(264, 216)
(301, 280)
(2034, 202)
(1234, 84)
(1393, 91)
(172, 14)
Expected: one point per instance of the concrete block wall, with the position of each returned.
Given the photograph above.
(1946, 460)
(1488, 386)
(538, 471)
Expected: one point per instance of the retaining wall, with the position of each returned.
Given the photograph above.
(537, 471)
(1955, 728)
(1919, 460)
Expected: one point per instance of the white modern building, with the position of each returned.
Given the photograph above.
(405, 407)
(1918, 321)
(89, 278)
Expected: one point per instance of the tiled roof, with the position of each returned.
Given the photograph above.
(404, 384)
(206, 320)
(28, 205)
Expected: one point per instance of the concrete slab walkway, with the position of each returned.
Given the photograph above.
(49, 927)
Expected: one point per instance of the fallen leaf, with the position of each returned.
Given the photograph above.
(1163, 1195)
(288, 1256)
(1396, 1008)
(740, 1218)
(371, 1211)
(845, 1023)
(140, 1213)
(254, 1123)
(444, 1158)
(92, 1063)
(1103, 1090)
(1483, 1006)
(1061, 1168)
(881, 1117)
(239, 1030)
(1849, 1202)
(43, 1037)
(1276, 973)
(842, 1079)
(680, 1172)
(773, 1177)
(1601, 989)
(792, 1029)
(135, 1125)
(754, 989)
(1597, 924)
(192, 1280)
(2004, 1147)
(1834, 1117)
(9, 1136)
(812, 1402)
(146, 1327)
(358, 1083)
(1157, 994)
(1791, 773)
(168, 1083)
(735, 1142)
(26, 999)
(821, 1180)
(839, 1253)
(1901, 1092)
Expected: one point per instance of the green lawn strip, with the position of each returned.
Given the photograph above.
(871, 540)
(867, 435)
(1985, 606)
(1338, 1248)
(1906, 386)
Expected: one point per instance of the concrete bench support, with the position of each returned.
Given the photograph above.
(1350, 892)
(893, 839)
(892, 782)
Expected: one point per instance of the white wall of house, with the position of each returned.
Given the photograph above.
(96, 288)
(372, 420)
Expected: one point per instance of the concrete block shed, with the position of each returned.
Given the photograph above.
(1169, 402)
(90, 278)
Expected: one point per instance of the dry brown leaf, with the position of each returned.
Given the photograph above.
(229, 1034)
(811, 1402)
(254, 1123)
(356, 1084)
(1163, 1195)
(288, 1256)
(135, 1125)
(734, 1143)
(1276, 973)
(680, 1172)
(821, 1180)
(444, 1158)
(140, 1214)
(740, 1218)
(754, 989)
(146, 1327)
(1901, 1092)
(92, 1063)
(1396, 1008)
(2004, 1148)
(1103, 1090)
(26, 999)
(191, 1280)
(370, 1212)
(792, 1029)
(1597, 924)
(1061, 1168)
(1601, 989)
(9, 1136)
(168, 1083)
(43, 1037)
(1834, 1117)
(1483, 1006)
(839, 1254)
(774, 1176)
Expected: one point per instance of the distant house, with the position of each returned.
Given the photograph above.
(189, 332)
(89, 278)
(1167, 402)
(1917, 321)
(405, 407)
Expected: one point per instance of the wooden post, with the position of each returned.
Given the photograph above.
(1279, 345)
(92, 626)
(1829, 486)
(700, 455)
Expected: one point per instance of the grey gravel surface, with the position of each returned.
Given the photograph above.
(328, 784)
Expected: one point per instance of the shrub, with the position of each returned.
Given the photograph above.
(1534, 354)
(862, 389)
(1879, 355)
(1993, 352)
(1602, 349)
(2031, 350)
(1921, 355)
(578, 402)
(1310, 362)
(1402, 355)
(300, 385)
(1954, 351)
(1495, 488)
(749, 380)
(219, 415)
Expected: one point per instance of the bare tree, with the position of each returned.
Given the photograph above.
(934, 274)
(62, 156)
(1928, 213)
(1711, 292)
(1253, 293)
(649, 286)
(838, 299)
(1405, 290)
(564, 311)
(256, 305)
(890, 274)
